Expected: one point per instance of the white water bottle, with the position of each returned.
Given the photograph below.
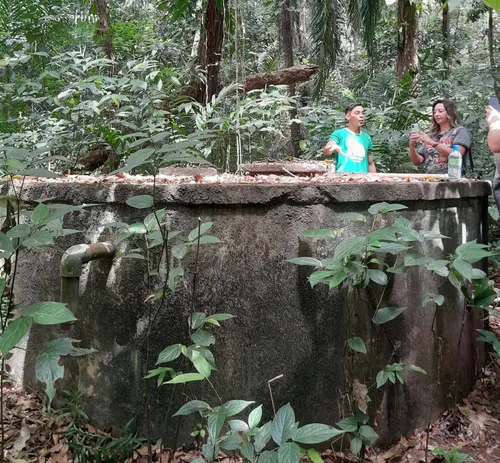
(454, 164)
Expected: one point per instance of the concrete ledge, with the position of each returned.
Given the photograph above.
(255, 193)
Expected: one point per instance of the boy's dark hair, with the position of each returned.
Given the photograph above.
(349, 108)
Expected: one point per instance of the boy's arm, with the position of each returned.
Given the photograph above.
(331, 147)
(371, 164)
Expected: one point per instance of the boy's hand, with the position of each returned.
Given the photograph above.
(332, 147)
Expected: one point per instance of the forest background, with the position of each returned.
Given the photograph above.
(160, 82)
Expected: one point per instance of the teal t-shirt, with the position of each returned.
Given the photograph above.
(355, 147)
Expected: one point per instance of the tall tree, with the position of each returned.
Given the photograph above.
(491, 52)
(104, 32)
(407, 57)
(286, 35)
(210, 51)
(445, 29)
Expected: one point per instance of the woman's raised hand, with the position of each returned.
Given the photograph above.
(424, 138)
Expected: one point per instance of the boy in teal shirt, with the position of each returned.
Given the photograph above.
(353, 147)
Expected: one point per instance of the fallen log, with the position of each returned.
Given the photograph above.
(291, 75)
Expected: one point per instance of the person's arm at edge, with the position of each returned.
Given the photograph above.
(371, 165)
(493, 121)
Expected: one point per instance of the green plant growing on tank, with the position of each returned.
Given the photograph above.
(28, 228)
(250, 438)
(362, 260)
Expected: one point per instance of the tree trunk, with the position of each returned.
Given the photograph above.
(445, 29)
(105, 33)
(210, 52)
(407, 38)
(287, 45)
(491, 51)
(299, 73)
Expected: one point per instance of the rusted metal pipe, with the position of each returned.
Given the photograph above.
(72, 266)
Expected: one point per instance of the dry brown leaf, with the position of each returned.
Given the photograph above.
(360, 395)
(21, 440)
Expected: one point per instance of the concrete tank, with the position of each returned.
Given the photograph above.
(283, 326)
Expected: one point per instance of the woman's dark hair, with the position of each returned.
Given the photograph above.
(349, 108)
(453, 116)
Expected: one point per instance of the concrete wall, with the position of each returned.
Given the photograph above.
(282, 326)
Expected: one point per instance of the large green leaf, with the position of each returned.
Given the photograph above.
(255, 417)
(262, 436)
(356, 444)
(201, 365)
(348, 424)
(310, 261)
(431, 297)
(191, 407)
(47, 366)
(204, 227)
(352, 217)
(186, 378)
(19, 231)
(464, 268)
(357, 344)
(140, 201)
(495, 4)
(368, 435)
(203, 338)
(350, 246)
(6, 245)
(377, 276)
(233, 407)
(215, 422)
(384, 208)
(315, 433)
(40, 214)
(283, 424)
(387, 314)
(231, 442)
(473, 251)
(14, 332)
(247, 450)
(196, 320)
(289, 452)
(49, 313)
(169, 353)
(314, 456)
(268, 456)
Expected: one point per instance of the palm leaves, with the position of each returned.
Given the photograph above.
(325, 28)
(329, 18)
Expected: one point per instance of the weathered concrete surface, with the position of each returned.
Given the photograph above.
(282, 326)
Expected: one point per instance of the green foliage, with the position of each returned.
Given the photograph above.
(454, 455)
(47, 366)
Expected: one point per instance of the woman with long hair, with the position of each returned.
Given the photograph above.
(445, 131)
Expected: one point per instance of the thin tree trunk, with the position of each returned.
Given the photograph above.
(210, 52)
(105, 33)
(407, 38)
(491, 43)
(445, 29)
(287, 45)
